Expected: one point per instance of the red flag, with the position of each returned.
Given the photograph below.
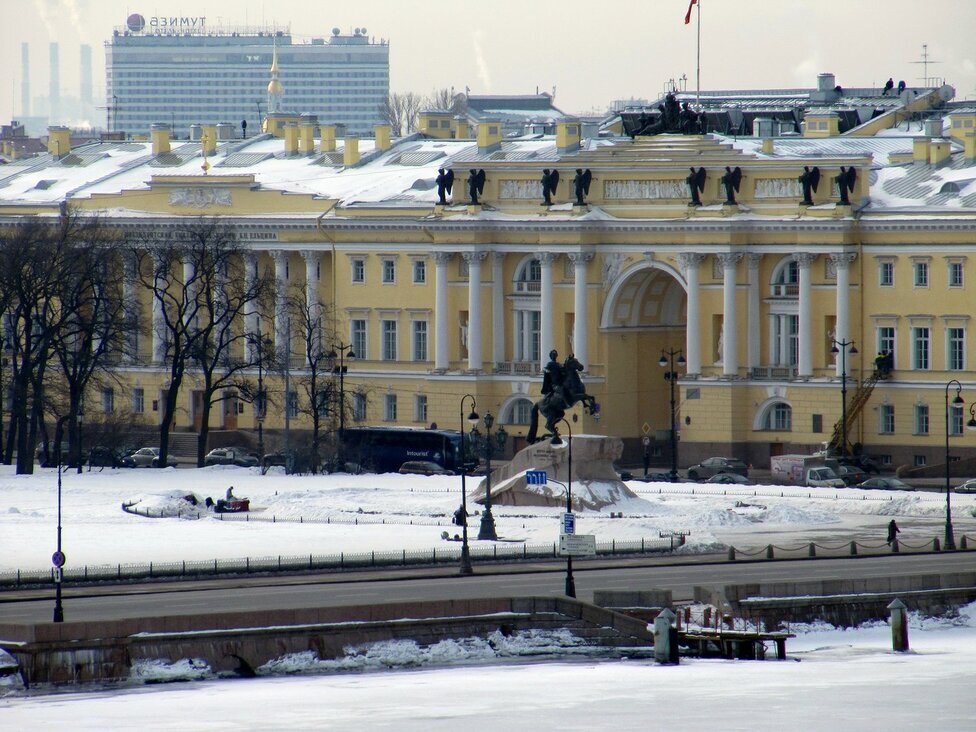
(692, 4)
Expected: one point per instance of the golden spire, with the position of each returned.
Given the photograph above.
(276, 89)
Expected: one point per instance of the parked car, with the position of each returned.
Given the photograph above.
(715, 465)
(886, 484)
(145, 457)
(231, 456)
(850, 474)
(101, 456)
(968, 487)
(423, 467)
(730, 479)
(865, 463)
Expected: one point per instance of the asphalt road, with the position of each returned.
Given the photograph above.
(391, 586)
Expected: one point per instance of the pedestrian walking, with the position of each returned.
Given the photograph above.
(893, 531)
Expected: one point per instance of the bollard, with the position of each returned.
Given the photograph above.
(813, 550)
(899, 626)
(894, 546)
(731, 553)
(665, 638)
(707, 617)
(962, 542)
(687, 616)
(936, 546)
(769, 551)
(853, 548)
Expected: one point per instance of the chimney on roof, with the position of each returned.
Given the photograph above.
(58, 141)
(489, 136)
(382, 133)
(209, 138)
(350, 151)
(306, 133)
(160, 139)
(291, 138)
(568, 135)
(328, 138)
(461, 129)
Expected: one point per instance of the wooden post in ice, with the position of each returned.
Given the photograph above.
(899, 625)
(665, 637)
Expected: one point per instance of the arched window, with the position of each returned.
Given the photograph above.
(529, 276)
(786, 279)
(778, 417)
(519, 412)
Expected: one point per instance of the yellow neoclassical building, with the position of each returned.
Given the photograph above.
(750, 257)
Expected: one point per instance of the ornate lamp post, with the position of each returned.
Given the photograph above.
(81, 424)
(950, 540)
(344, 351)
(472, 420)
(261, 405)
(556, 440)
(487, 528)
(668, 361)
(843, 348)
(58, 559)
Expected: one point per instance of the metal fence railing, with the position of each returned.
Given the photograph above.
(197, 569)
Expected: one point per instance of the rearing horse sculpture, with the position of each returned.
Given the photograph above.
(561, 389)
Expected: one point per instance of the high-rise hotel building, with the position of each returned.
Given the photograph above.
(183, 71)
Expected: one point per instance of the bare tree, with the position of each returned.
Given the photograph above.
(402, 110)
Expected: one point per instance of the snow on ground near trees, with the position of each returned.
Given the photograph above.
(392, 512)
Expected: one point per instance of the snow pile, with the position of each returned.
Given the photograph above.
(172, 504)
(409, 654)
(158, 671)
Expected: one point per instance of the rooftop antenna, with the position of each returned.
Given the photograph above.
(925, 64)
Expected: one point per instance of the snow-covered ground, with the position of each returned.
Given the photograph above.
(393, 512)
(843, 680)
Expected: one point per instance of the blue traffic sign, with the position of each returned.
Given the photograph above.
(569, 523)
(536, 477)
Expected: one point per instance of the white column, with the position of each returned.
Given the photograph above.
(497, 307)
(159, 331)
(753, 359)
(441, 352)
(130, 303)
(474, 260)
(730, 356)
(842, 265)
(581, 316)
(691, 262)
(251, 307)
(280, 312)
(546, 343)
(312, 296)
(805, 341)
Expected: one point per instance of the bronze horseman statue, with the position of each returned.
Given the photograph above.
(561, 389)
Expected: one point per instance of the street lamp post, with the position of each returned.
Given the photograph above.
(668, 360)
(486, 531)
(261, 400)
(342, 351)
(472, 420)
(58, 558)
(950, 539)
(81, 423)
(843, 348)
(556, 440)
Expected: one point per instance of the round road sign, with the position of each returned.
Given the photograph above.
(58, 559)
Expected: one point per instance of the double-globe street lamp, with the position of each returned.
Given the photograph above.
(668, 360)
(487, 532)
(472, 420)
(843, 348)
(957, 402)
(557, 440)
(342, 351)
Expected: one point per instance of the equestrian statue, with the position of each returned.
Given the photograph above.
(562, 388)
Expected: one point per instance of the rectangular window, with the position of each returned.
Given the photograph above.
(138, 400)
(955, 274)
(921, 270)
(390, 407)
(955, 420)
(886, 339)
(359, 407)
(420, 408)
(389, 271)
(887, 417)
(419, 272)
(357, 337)
(920, 348)
(920, 461)
(956, 349)
(292, 404)
(817, 426)
(389, 340)
(921, 419)
(359, 270)
(420, 340)
(108, 400)
(886, 274)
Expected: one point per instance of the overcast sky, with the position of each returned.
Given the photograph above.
(590, 53)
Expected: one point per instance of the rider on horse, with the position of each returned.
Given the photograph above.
(561, 389)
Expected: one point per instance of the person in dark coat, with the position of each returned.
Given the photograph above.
(893, 531)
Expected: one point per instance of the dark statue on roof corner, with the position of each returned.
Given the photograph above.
(445, 184)
(671, 117)
(561, 389)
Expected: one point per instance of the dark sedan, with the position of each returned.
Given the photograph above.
(715, 465)
(886, 484)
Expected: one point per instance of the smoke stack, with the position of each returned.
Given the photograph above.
(25, 79)
(86, 77)
(54, 93)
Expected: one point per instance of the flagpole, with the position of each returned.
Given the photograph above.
(698, 61)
